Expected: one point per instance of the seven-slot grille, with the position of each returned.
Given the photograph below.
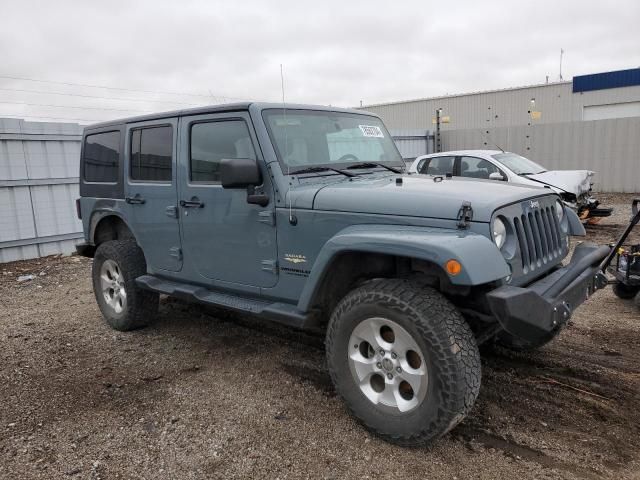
(539, 239)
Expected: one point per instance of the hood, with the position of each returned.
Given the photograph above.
(415, 196)
(577, 182)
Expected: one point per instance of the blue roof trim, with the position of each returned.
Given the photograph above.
(601, 81)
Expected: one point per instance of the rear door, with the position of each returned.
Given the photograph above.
(151, 192)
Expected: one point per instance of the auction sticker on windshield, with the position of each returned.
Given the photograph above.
(371, 131)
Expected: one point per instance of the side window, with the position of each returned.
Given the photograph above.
(438, 166)
(151, 154)
(213, 141)
(476, 167)
(102, 157)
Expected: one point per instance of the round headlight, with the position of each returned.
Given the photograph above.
(559, 211)
(499, 231)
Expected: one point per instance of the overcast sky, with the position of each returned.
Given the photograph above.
(333, 52)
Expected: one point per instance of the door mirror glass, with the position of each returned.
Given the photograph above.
(496, 176)
(239, 173)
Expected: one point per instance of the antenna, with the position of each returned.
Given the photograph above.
(489, 140)
(292, 220)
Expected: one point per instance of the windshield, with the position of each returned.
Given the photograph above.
(309, 138)
(517, 164)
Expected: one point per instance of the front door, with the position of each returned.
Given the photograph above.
(151, 193)
(225, 239)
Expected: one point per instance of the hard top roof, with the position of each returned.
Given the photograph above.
(227, 107)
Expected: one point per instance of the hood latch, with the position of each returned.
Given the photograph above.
(465, 215)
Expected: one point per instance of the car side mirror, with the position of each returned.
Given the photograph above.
(239, 173)
(243, 173)
(496, 176)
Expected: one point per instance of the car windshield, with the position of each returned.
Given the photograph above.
(312, 138)
(518, 165)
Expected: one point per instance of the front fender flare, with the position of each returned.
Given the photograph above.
(481, 260)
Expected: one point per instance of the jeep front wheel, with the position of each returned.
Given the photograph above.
(124, 305)
(404, 360)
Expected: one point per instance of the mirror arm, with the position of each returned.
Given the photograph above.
(256, 198)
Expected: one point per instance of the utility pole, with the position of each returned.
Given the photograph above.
(438, 146)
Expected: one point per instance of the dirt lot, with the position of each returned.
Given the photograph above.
(202, 394)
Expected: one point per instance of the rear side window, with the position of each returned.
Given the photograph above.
(102, 157)
(438, 166)
(151, 154)
(213, 141)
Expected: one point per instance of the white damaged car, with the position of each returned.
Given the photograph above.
(573, 186)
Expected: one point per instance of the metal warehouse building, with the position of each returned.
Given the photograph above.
(591, 122)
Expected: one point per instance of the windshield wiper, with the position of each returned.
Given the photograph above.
(373, 164)
(323, 169)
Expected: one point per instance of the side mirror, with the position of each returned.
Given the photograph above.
(496, 176)
(239, 173)
(243, 173)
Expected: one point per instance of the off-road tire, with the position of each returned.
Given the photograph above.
(625, 292)
(142, 305)
(446, 343)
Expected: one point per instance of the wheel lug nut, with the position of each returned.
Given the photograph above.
(389, 376)
(379, 365)
(399, 370)
(393, 355)
(381, 352)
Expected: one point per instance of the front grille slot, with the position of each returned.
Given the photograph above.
(539, 238)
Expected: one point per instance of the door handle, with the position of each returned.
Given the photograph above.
(193, 203)
(137, 200)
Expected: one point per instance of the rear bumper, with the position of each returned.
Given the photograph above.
(532, 312)
(85, 249)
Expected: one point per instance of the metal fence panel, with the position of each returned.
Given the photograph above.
(610, 147)
(39, 164)
(412, 143)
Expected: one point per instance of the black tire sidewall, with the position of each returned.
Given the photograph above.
(394, 423)
(140, 303)
(447, 346)
(625, 292)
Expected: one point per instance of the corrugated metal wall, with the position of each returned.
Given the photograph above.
(501, 108)
(38, 188)
(609, 147)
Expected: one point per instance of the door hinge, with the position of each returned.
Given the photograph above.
(267, 216)
(171, 211)
(270, 266)
(176, 253)
(465, 215)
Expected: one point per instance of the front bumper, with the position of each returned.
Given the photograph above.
(532, 312)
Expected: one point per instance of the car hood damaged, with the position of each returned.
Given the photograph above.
(577, 182)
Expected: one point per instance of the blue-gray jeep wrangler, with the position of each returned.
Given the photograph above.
(305, 215)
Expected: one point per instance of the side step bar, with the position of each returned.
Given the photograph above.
(278, 312)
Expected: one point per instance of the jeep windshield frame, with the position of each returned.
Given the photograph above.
(305, 139)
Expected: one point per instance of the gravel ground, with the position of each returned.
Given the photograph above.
(206, 394)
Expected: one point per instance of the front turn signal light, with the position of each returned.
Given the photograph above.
(453, 267)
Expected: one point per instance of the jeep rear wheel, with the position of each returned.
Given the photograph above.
(125, 306)
(404, 360)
